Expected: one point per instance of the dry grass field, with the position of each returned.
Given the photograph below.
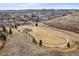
(53, 38)
(54, 41)
(69, 22)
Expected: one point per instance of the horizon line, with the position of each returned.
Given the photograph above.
(44, 8)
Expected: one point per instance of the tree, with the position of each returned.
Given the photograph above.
(3, 28)
(12, 26)
(3, 39)
(34, 41)
(68, 45)
(15, 26)
(40, 42)
(10, 30)
(36, 24)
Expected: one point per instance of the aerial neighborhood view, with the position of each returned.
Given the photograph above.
(39, 29)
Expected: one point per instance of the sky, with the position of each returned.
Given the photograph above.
(18, 6)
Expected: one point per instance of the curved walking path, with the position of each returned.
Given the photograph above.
(50, 38)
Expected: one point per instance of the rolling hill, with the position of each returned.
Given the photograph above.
(69, 22)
